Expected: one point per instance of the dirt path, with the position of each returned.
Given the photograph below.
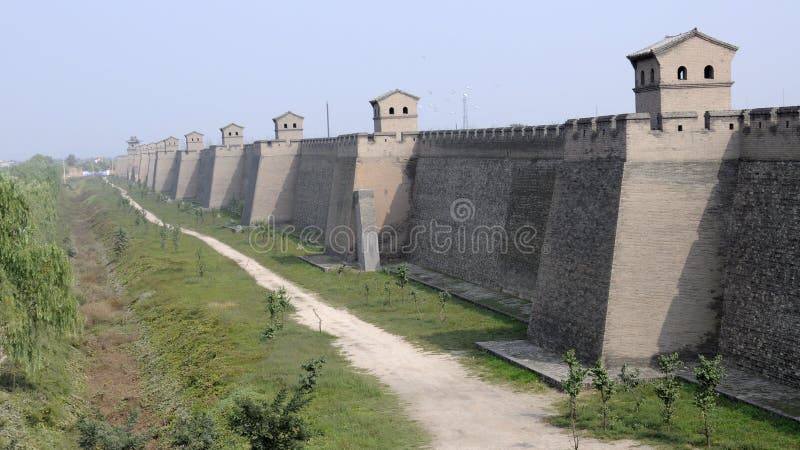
(112, 376)
(459, 410)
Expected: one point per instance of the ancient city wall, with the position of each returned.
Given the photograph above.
(760, 310)
(166, 171)
(571, 296)
(639, 236)
(227, 176)
(484, 186)
(315, 178)
(665, 290)
(187, 178)
(271, 191)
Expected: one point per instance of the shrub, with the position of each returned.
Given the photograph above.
(196, 432)
(100, 435)
(276, 424)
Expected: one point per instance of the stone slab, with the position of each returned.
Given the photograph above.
(738, 384)
(547, 364)
(501, 303)
(326, 263)
(754, 390)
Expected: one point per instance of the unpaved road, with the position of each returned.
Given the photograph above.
(459, 410)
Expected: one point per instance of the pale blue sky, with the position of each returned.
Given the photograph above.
(81, 76)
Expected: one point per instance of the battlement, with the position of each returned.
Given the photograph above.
(502, 134)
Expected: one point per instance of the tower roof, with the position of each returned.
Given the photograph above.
(231, 125)
(288, 113)
(392, 92)
(671, 41)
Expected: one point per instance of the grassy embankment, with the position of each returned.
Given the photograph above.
(202, 339)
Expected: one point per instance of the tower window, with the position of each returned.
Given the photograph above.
(229, 133)
(405, 109)
(652, 75)
(708, 73)
(391, 110)
(641, 78)
(286, 125)
(730, 126)
(237, 133)
(681, 73)
(294, 125)
(680, 127)
(787, 124)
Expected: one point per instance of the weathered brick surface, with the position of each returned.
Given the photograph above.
(571, 297)
(761, 320)
(505, 190)
(666, 290)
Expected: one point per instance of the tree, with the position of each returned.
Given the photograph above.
(277, 424)
(72, 161)
(36, 301)
(629, 382)
(444, 297)
(667, 389)
(416, 301)
(573, 385)
(119, 242)
(176, 235)
(277, 304)
(388, 291)
(709, 374)
(402, 277)
(605, 386)
(201, 265)
(163, 233)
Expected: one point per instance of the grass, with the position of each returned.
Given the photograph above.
(202, 341)
(736, 425)
(465, 324)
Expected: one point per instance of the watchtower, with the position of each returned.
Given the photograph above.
(232, 135)
(171, 144)
(395, 111)
(194, 141)
(288, 126)
(133, 142)
(690, 71)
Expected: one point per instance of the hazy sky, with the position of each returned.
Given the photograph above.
(82, 76)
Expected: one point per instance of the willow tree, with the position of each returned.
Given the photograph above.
(36, 301)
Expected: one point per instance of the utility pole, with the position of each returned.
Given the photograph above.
(465, 119)
(328, 118)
